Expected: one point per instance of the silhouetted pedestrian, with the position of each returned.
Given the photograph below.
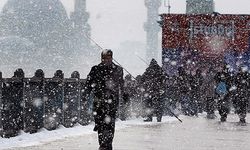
(105, 80)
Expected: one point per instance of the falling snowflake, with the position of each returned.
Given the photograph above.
(107, 119)
(37, 102)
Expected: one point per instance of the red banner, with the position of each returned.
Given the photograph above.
(211, 35)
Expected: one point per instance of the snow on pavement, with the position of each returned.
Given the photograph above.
(195, 133)
(44, 136)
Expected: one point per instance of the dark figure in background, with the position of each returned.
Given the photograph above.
(198, 81)
(209, 95)
(222, 92)
(129, 92)
(172, 94)
(154, 84)
(241, 100)
(193, 96)
(183, 84)
(106, 82)
(138, 106)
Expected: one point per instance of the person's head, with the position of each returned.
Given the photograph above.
(107, 57)
(153, 62)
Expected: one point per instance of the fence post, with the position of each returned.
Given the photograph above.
(71, 101)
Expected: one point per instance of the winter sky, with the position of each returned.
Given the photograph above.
(116, 21)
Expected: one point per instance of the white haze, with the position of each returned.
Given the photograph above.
(118, 24)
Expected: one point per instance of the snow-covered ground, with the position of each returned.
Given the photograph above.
(44, 136)
(195, 133)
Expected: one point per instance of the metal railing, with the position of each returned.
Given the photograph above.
(30, 104)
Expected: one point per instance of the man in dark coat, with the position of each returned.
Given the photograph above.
(209, 93)
(183, 84)
(240, 101)
(139, 107)
(154, 82)
(223, 83)
(128, 98)
(196, 99)
(106, 82)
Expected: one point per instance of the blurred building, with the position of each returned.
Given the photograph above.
(152, 29)
(39, 34)
(199, 6)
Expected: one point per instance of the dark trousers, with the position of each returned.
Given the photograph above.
(196, 103)
(155, 105)
(241, 106)
(158, 113)
(223, 106)
(106, 135)
(210, 105)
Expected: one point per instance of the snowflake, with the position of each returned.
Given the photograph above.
(109, 101)
(173, 63)
(37, 102)
(107, 119)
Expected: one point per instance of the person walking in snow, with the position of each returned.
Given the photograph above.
(183, 84)
(198, 82)
(128, 97)
(105, 80)
(153, 80)
(223, 79)
(241, 100)
(138, 101)
(209, 93)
